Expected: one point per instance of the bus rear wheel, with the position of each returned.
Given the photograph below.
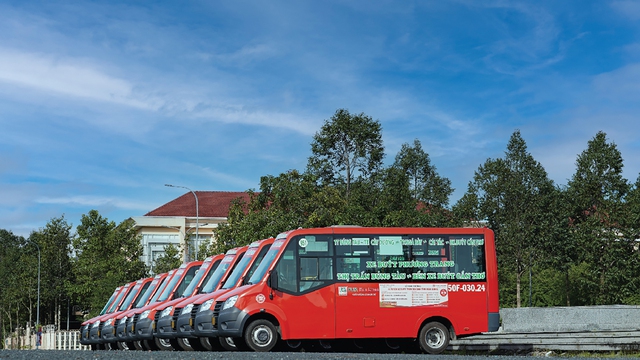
(434, 338)
(261, 335)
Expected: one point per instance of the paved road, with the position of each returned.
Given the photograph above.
(174, 355)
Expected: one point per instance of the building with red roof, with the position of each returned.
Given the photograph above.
(178, 220)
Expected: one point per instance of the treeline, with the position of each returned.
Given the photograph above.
(78, 272)
(576, 244)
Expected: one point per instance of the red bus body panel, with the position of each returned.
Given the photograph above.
(346, 309)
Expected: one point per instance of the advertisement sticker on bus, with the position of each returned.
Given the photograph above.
(411, 295)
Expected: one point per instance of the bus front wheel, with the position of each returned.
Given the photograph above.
(261, 335)
(434, 338)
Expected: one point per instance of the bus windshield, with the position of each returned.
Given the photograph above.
(265, 263)
(132, 294)
(211, 285)
(114, 306)
(204, 269)
(237, 272)
(142, 300)
(108, 304)
(165, 284)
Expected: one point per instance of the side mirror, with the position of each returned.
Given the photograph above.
(272, 280)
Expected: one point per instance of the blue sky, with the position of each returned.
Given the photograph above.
(102, 103)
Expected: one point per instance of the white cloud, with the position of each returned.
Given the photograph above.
(93, 201)
(629, 9)
(238, 115)
(68, 77)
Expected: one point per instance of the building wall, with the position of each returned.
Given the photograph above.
(160, 231)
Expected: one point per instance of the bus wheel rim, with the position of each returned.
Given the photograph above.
(164, 342)
(230, 342)
(261, 336)
(435, 338)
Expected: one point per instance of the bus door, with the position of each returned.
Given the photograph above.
(358, 312)
(306, 294)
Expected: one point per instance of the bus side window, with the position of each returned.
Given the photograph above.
(315, 273)
(286, 268)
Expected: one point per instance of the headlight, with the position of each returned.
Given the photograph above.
(206, 305)
(109, 322)
(187, 309)
(145, 314)
(95, 324)
(166, 312)
(230, 302)
(123, 320)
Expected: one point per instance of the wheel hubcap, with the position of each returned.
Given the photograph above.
(435, 338)
(165, 342)
(230, 341)
(262, 336)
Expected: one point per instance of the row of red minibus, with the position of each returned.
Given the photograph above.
(340, 287)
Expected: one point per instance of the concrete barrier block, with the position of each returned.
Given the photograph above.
(567, 319)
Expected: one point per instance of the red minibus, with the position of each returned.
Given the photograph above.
(120, 321)
(94, 329)
(107, 330)
(426, 284)
(194, 321)
(86, 325)
(166, 325)
(128, 335)
(163, 322)
(145, 317)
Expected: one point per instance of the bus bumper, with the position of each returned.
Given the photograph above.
(164, 328)
(121, 332)
(84, 335)
(203, 324)
(494, 321)
(108, 334)
(94, 334)
(231, 322)
(184, 328)
(144, 329)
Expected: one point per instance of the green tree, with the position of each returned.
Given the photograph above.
(425, 183)
(18, 280)
(168, 261)
(283, 203)
(347, 147)
(597, 192)
(561, 252)
(512, 195)
(56, 269)
(107, 256)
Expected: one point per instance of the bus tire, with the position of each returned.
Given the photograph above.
(227, 343)
(289, 345)
(196, 345)
(205, 342)
(161, 344)
(241, 345)
(182, 344)
(434, 338)
(149, 345)
(261, 335)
